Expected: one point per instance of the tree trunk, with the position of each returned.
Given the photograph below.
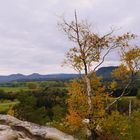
(130, 108)
(93, 135)
(88, 90)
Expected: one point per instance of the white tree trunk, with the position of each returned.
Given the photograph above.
(88, 88)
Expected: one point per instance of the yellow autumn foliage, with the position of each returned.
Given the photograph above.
(11, 111)
(116, 124)
(113, 85)
(121, 72)
(78, 106)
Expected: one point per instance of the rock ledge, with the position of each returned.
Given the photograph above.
(12, 128)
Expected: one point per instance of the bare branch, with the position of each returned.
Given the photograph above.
(108, 34)
(77, 31)
(118, 98)
(103, 59)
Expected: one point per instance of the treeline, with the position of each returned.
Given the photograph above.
(50, 99)
(41, 106)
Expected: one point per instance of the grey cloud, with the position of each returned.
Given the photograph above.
(31, 41)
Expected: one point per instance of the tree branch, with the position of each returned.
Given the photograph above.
(103, 59)
(118, 98)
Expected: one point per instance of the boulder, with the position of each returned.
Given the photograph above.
(12, 128)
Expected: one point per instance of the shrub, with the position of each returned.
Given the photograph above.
(138, 95)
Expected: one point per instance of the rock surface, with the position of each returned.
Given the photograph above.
(13, 129)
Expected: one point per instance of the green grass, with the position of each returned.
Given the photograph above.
(129, 97)
(4, 106)
(124, 97)
(13, 89)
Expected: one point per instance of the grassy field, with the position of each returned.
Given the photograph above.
(129, 97)
(16, 89)
(13, 89)
(4, 106)
(124, 97)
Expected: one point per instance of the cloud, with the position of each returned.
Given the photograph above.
(31, 41)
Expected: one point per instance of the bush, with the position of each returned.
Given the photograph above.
(116, 125)
(41, 106)
(27, 109)
(122, 105)
(32, 85)
(135, 125)
(138, 95)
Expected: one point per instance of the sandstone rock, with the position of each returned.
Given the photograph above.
(13, 129)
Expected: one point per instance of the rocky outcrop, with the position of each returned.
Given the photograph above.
(13, 129)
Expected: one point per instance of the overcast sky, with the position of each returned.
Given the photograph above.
(32, 42)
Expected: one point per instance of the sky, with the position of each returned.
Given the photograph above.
(32, 42)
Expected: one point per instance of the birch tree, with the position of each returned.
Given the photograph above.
(89, 51)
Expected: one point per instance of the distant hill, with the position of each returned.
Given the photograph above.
(36, 76)
(105, 72)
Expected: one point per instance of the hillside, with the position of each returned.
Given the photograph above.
(36, 76)
(105, 72)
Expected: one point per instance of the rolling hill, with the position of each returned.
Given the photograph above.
(105, 72)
